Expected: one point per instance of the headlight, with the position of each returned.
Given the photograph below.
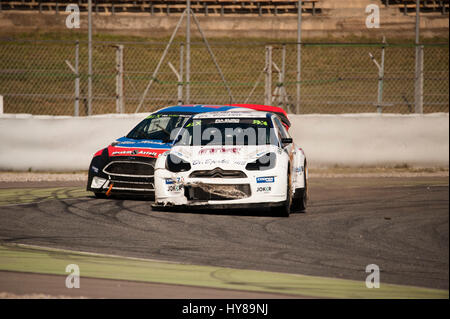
(175, 164)
(265, 162)
(97, 182)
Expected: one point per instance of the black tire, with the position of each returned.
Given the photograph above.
(300, 201)
(100, 195)
(285, 210)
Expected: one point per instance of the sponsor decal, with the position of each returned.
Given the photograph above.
(150, 142)
(229, 113)
(227, 121)
(156, 116)
(260, 122)
(264, 189)
(233, 150)
(194, 123)
(217, 162)
(94, 169)
(172, 181)
(175, 188)
(134, 152)
(146, 153)
(268, 179)
(120, 152)
(214, 162)
(299, 170)
(139, 142)
(113, 151)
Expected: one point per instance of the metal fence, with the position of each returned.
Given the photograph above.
(40, 77)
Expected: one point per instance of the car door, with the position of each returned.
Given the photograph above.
(281, 134)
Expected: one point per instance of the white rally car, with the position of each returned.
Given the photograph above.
(243, 159)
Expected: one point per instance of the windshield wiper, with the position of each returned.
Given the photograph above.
(165, 132)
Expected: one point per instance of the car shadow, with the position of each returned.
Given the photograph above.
(127, 197)
(244, 212)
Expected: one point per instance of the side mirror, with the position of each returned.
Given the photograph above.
(287, 140)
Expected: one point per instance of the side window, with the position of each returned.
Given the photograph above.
(283, 132)
(157, 124)
(277, 129)
(185, 139)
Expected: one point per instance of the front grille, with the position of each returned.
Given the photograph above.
(206, 192)
(137, 180)
(130, 186)
(130, 168)
(127, 175)
(218, 173)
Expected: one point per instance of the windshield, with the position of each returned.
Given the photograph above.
(228, 131)
(162, 127)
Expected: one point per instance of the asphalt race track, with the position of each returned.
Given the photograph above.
(399, 224)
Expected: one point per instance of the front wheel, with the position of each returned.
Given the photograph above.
(285, 210)
(100, 195)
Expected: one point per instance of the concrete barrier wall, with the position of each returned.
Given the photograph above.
(68, 143)
(335, 22)
(373, 140)
(58, 143)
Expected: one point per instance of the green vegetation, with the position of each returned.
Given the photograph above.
(74, 35)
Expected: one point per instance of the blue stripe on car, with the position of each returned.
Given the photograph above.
(196, 109)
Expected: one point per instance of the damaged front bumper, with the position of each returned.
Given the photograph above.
(178, 190)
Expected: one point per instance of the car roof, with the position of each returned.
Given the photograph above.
(232, 114)
(194, 109)
(203, 108)
(268, 108)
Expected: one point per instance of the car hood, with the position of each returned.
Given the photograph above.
(139, 148)
(226, 157)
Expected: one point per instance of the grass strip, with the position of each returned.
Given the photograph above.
(54, 261)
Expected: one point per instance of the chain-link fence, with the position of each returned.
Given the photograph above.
(40, 77)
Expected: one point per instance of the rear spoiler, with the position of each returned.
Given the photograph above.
(267, 108)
